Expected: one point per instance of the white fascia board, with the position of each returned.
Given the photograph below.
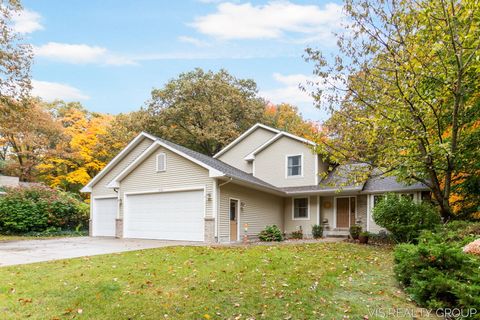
(157, 143)
(115, 182)
(243, 135)
(251, 155)
(116, 159)
(214, 173)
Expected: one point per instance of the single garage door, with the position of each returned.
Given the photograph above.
(168, 216)
(103, 217)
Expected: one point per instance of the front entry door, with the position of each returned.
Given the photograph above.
(233, 220)
(343, 212)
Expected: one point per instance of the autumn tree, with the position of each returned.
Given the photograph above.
(288, 118)
(15, 56)
(204, 110)
(82, 153)
(404, 90)
(28, 135)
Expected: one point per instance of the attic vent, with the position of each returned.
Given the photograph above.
(161, 162)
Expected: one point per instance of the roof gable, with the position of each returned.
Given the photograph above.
(125, 151)
(243, 136)
(281, 134)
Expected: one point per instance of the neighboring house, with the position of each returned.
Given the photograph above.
(156, 189)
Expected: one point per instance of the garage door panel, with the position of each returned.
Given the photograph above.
(103, 216)
(169, 216)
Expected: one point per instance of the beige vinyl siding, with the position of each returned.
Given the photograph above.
(180, 173)
(235, 155)
(327, 213)
(261, 209)
(306, 225)
(271, 163)
(100, 189)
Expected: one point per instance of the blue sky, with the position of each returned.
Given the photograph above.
(110, 54)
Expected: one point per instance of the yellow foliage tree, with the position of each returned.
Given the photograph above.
(82, 154)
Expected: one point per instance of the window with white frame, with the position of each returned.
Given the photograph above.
(161, 162)
(294, 165)
(300, 208)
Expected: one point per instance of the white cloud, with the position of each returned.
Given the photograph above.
(80, 54)
(194, 41)
(27, 21)
(270, 21)
(50, 91)
(290, 91)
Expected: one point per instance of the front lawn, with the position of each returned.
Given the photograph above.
(309, 281)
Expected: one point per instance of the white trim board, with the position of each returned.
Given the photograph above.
(293, 208)
(116, 159)
(115, 183)
(243, 136)
(251, 155)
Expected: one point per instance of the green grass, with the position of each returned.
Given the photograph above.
(309, 281)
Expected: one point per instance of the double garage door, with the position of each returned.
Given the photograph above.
(166, 215)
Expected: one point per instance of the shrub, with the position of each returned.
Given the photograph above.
(297, 234)
(382, 237)
(404, 218)
(436, 273)
(271, 233)
(317, 231)
(355, 231)
(37, 208)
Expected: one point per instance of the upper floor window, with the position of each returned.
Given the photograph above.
(294, 166)
(161, 162)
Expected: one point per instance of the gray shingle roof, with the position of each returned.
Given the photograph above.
(337, 180)
(390, 183)
(221, 166)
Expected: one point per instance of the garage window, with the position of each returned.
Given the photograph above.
(161, 162)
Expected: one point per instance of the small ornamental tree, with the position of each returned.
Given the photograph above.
(404, 218)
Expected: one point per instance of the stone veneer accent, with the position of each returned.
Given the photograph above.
(209, 230)
(118, 228)
(362, 211)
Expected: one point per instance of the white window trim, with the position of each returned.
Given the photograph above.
(164, 161)
(302, 168)
(308, 208)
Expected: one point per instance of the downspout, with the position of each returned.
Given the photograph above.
(226, 182)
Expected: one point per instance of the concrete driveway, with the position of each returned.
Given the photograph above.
(29, 251)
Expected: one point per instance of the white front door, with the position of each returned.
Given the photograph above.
(104, 213)
(167, 215)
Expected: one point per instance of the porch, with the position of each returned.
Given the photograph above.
(336, 213)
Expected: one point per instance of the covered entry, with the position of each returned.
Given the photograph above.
(345, 215)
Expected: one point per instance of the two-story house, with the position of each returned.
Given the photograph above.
(156, 189)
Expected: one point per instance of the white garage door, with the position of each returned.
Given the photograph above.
(169, 216)
(103, 217)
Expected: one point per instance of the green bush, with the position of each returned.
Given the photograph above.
(271, 233)
(404, 218)
(436, 272)
(355, 231)
(297, 234)
(38, 208)
(317, 231)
